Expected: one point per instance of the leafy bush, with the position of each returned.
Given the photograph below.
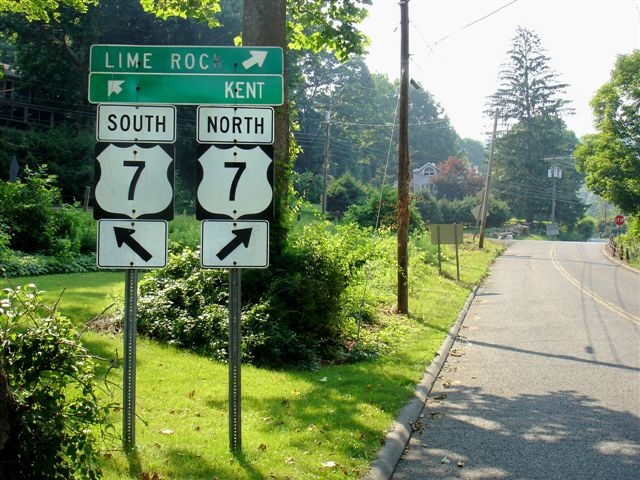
(37, 221)
(297, 312)
(586, 227)
(53, 409)
(460, 211)
(428, 207)
(18, 264)
(382, 211)
(344, 192)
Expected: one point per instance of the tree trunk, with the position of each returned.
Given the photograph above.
(264, 24)
(7, 420)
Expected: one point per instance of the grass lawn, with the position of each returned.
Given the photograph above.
(325, 424)
(80, 296)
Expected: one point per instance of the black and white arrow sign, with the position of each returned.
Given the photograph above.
(132, 244)
(235, 244)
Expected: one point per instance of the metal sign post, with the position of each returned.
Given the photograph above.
(129, 367)
(235, 354)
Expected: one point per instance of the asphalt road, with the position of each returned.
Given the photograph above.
(543, 381)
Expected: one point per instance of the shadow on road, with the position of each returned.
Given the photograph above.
(465, 433)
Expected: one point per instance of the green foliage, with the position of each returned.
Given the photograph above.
(37, 221)
(18, 264)
(530, 97)
(203, 10)
(585, 228)
(428, 207)
(308, 186)
(611, 158)
(56, 412)
(380, 210)
(67, 154)
(299, 312)
(344, 192)
(42, 10)
(528, 87)
(319, 25)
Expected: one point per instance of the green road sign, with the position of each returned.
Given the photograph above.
(186, 59)
(186, 89)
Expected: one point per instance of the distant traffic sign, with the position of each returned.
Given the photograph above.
(619, 220)
(185, 89)
(235, 125)
(134, 181)
(133, 123)
(235, 182)
(132, 244)
(235, 244)
(186, 59)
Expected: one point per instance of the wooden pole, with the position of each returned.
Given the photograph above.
(485, 197)
(403, 164)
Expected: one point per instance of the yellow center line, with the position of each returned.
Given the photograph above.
(611, 306)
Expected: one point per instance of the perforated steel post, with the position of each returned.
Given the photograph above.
(235, 351)
(129, 366)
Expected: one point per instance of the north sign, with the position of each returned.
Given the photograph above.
(235, 125)
(186, 59)
(134, 123)
(132, 244)
(235, 244)
(134, 181)
(186, 89)
(235, 182)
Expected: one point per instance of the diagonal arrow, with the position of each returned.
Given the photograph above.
(114, 86)
(257, 58)
(125, 236)
(242, 237)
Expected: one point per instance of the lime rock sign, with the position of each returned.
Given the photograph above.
(186, 75)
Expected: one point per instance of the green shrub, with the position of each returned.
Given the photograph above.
(298, 312)
(382, 211)
(344, 192)
(37, 221)
(54, 412)
(586, 227)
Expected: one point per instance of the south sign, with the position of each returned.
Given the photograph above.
(134, 123)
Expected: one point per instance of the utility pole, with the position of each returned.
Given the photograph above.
(325, 162)
(554, 172)
(487, 185)
(403, 163)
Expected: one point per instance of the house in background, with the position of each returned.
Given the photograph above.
(19, 109)
(422, 178)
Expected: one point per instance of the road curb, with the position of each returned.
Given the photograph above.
(400, 433)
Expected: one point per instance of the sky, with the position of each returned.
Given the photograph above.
(457, 53)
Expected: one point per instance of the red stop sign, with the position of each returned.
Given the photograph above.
(619, 220)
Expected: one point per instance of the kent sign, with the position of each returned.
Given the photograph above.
(186, 75)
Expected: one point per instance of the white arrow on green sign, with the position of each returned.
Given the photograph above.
(185, 89)
(186, 59)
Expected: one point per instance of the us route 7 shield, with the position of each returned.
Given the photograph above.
(235, 182)
(132, 244)
(134, 181)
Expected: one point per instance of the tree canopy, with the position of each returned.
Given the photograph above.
(42, 10)
(611, 158)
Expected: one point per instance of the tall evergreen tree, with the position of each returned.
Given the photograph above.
(529, 100)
